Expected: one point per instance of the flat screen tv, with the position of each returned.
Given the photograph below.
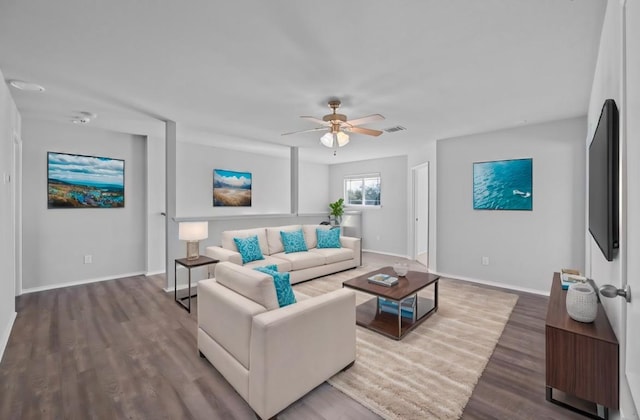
(603, 181)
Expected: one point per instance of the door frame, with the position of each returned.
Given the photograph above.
(16, 174)
(414, 204)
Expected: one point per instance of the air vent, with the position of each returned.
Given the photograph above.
(394, 129)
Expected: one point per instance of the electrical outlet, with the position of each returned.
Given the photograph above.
(485, 260)
(377, 237)
(88, 259)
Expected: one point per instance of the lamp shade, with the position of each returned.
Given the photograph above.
(328, 139)
(193, 231)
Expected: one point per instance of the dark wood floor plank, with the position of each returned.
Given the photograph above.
(125, 349)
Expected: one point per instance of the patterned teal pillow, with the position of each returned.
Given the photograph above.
(282, 285)
(293, 241)
(249, 248)
(328, 238)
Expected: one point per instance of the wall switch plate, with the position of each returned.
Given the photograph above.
(7, 178)
(88, 259)
(485, 260)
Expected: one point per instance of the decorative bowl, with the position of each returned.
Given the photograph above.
(401, 269)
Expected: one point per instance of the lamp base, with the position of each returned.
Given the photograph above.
(193, 250)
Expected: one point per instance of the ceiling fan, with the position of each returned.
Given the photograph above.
(337, 126)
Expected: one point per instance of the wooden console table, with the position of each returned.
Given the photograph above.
(581, 358)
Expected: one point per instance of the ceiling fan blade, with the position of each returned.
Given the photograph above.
(365, 120)
(304, 131)
(314, 119)
(362, 130)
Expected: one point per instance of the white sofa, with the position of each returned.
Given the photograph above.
(302, 265)
(272, 356)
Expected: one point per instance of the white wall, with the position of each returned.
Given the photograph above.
(313, 188)
(607, 83)
(384, 229)
(9, 129)
(270, 191)
(155, 205)
(524, 247)
(56, 240)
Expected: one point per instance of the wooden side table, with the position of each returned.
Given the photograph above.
(188, 264)
(581, 358)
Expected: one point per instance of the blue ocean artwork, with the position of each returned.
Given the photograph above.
(503, 185)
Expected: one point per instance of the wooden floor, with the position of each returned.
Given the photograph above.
(123, 349)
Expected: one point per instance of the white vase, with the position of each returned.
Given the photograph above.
(582, 302)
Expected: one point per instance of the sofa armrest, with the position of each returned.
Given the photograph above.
(297, 347)
(355, 244)
(227, 318)
(223, 254)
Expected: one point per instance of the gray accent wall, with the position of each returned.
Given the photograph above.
(384, 229)
(56, 240)
(524, 247)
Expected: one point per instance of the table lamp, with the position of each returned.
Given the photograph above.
(193, 232)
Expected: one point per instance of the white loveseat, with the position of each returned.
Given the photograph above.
(272, 356)
(315, 262)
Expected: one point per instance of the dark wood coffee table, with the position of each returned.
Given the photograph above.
(369, 314)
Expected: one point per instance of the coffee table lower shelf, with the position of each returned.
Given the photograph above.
(385, 323)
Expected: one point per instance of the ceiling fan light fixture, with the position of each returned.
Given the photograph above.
(340, 138)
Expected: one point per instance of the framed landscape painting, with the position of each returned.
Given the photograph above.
(231, 188)
(78, 181)
(503, 185)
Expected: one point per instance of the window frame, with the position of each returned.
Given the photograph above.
(361, 177)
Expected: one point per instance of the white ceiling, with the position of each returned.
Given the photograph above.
(236, 72)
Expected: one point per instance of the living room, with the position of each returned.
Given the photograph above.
(523, 248)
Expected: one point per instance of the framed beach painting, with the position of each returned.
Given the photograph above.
(231, 188)
(503, 185)
(79, 181)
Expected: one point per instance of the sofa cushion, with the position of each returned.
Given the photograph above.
(310, 235)
(274, 239)
(329, 238)
(293, 241)
(249, 283)
(281, 284)
(228, 243)
(283, 265)
(333, 255)
(249, 248)
(302, 260)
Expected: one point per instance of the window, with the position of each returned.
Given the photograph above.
(362, 190)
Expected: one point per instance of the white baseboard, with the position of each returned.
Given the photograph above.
(4, 338)
(494, 283)
(373, 251)
(155, 273)
(79, 282)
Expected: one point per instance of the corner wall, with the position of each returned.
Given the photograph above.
(56, 240)
(9, 129)
(384, 229)
(524, 247)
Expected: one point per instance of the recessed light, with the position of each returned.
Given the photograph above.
(26, 86)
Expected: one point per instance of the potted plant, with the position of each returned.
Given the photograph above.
(337, 210)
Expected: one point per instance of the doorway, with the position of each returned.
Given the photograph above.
(420, 180)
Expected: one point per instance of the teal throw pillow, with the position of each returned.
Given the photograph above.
(282, 284)
(328, 238)
(249, 248)
(293, 241)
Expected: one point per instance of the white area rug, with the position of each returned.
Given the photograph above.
(431, 372)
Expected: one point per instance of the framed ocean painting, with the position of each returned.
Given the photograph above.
(503, 185)
(78, 181)
(231, 188)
